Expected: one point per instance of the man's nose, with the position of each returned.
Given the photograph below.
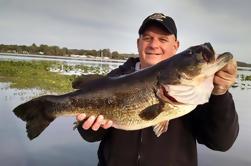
(154, 43)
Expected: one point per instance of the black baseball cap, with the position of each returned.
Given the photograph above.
(158, 18)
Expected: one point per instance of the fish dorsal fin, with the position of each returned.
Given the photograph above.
(80, 81)
(151, 112)
(161, 128)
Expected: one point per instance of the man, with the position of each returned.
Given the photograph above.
(214, 124)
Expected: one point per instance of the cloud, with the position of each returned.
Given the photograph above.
(111, 24)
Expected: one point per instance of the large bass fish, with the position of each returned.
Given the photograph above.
(149, 97)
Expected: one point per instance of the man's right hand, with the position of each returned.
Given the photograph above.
(94, 122)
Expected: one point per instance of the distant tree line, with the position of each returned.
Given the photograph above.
(44, 49)
(243, 64)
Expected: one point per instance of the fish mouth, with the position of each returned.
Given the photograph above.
(224, 57)
(206, 58)
(208, 52)
(216, 65)
(209, 47)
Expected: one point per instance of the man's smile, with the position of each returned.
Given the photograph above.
(152, 53)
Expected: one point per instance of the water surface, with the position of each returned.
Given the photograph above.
(59, 145)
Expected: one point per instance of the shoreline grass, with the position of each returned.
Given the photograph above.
(34, 74)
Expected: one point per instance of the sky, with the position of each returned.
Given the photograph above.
(114, 24)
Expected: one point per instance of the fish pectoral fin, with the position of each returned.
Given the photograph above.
(84, 79)
(160, 128)
(151, 112)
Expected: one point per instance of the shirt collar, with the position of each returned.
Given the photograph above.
(137, 66)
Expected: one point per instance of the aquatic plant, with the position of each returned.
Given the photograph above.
(34, 74)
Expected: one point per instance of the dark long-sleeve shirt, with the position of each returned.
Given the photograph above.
(214, 124)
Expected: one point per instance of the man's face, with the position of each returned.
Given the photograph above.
(155, 45)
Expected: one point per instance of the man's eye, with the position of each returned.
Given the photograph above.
(146, 38)
(163, 40)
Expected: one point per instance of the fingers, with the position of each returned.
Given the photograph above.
(97, 123)
(225, 78)
(222, 82)
(94, 122)
(230, 68)
(108, 124)
(80, 117)
(227, 75)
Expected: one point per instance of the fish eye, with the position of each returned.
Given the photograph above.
(190, 52)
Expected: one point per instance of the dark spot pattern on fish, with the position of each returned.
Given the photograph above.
(151, 112)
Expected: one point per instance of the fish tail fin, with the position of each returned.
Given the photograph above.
(37, 113)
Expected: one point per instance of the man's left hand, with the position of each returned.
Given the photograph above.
(225, 78)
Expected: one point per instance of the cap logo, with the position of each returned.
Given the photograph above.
(158, 16)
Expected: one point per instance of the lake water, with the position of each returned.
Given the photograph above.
(59, 145)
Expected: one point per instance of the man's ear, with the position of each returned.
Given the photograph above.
(177, 45)
(138, 44)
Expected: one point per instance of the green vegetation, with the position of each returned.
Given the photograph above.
(245, 77)
(248, 78)
(35, 74)
(57, 51)
(82, 68)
